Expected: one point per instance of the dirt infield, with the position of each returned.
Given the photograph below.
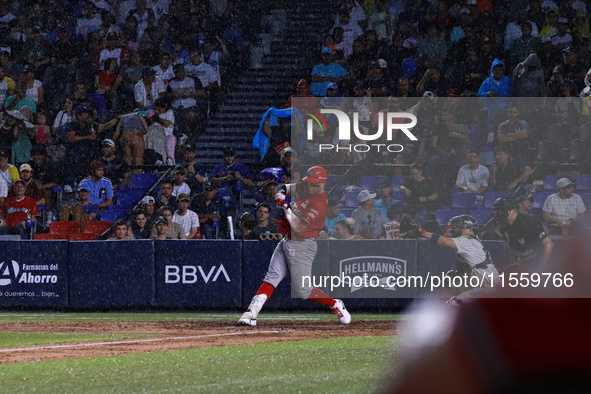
(177, 335)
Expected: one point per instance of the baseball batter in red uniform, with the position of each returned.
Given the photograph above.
(296, 252)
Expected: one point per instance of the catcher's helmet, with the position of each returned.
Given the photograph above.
(458, 223)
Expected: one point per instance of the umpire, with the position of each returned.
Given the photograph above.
(525, 234)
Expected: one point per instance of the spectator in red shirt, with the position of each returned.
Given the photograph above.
(17, 211)
(33, 188)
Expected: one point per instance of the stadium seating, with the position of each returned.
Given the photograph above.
(398, 195)
(482, 215)
(371, 182)
(464, 200)
(584, 182)
(443, 215)
(64, 227)
(397, 181)
(129, 198)
(113, 214)
(143, 181)
(540, 199)
(351, 198)
(347, 211)
(97, 227)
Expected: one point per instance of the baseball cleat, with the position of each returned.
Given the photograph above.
(247, 320)
(341, 312)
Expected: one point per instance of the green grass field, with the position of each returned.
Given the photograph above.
(337, 365)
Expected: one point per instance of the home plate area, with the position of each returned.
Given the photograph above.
(159, 336)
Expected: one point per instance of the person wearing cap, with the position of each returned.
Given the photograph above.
(7, 171)
(185, 217)
(161, 229)
(211, 210)
(228, 173)
(326, 72)
(562, 39)
(524, 202)
(148, 205)
(34, 86)
(101, 189)
(526, 237)
(115, 168)
(302, 90)
(507, 173)
(295, 254)
(565, 209)
(148, 89)
(174, 230)
(246, 223)
(82, 211)
(17, 211)
(196, 171)
(34, 188)
(180, 186)
(420, 194)
(368, 219)
(81, 135)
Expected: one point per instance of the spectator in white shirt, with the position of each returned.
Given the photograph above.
(164, 69)
(179, 185)
(185, 217)
(90, 22)
(564, 209)
(473, 177)
(148, 90)
(165, 117)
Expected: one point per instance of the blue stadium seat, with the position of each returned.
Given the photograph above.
(443, 215)
(370, 182)
(101, 104)
(584, 182)
(586, 200)
(398, 195)
(550, 180)
(129, 198)
(537, 212)
(331, 180)
(464, 200)
(540, 199)
(397, 181)
(491, 196)
(347, 211)
(482, 215)
(113, 214)
(351, 198)
(143, 181)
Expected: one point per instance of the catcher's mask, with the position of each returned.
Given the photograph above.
(458, 223)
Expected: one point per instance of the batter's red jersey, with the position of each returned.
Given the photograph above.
(15, 211)
(313, 211)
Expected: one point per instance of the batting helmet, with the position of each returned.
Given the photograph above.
(458, 223)
(316, 174)
(274, 173)
(501, 208)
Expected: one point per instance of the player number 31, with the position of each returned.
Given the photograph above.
(526, 279)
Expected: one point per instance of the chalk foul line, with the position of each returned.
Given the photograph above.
(135, 341)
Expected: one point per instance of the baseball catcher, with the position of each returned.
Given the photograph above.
(472, 259)
(296, 252)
